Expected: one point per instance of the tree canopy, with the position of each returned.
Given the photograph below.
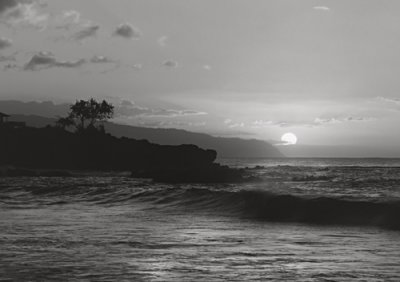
(86, 113)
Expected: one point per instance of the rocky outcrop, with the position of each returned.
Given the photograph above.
(54, 148)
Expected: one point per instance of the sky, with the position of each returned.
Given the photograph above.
(325, 70)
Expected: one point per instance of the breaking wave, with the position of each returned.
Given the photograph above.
(248, 204)
(261, 205)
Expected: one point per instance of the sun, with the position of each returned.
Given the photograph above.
(289, 138)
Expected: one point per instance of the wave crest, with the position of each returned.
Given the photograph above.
(261, 205)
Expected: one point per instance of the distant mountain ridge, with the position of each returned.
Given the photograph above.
(40, 114)
(226, 147)
(45, 109)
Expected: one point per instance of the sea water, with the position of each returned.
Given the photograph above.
(305, 220)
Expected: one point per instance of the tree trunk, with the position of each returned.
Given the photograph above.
(83, 123)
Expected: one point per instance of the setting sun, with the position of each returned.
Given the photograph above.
(289, 138)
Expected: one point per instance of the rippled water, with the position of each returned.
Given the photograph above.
(117, 228)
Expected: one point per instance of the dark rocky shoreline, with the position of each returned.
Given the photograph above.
(55, 152)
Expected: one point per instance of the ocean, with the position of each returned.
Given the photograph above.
(305, 220)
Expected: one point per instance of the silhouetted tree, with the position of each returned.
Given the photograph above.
(86, 114)
(64, 123)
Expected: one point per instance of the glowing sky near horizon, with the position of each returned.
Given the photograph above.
(324, 70)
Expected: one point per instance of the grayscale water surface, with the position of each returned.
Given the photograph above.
(122, 229)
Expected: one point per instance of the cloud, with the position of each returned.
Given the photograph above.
(126, 30)
(235, 125)
(270, 123)
(170, 64)
(10, 66)
(137, 66)
(130, 109)
(7, 4)
(262, 123)
(10, 58)
(86, 32)
(185, 123)
(395, 101)
(5, 43)
(139, 111)
(169, 124)
(126, 103)
(162, 41)
(43, 60)
(70, 64)
(22, 12)
(322, 8)
(67, 19)
(104, 60)
(173, 113)
(72, 20)
(207, 67)
(101, 60)
(231, 124)
(324, 121)
(317, 122)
